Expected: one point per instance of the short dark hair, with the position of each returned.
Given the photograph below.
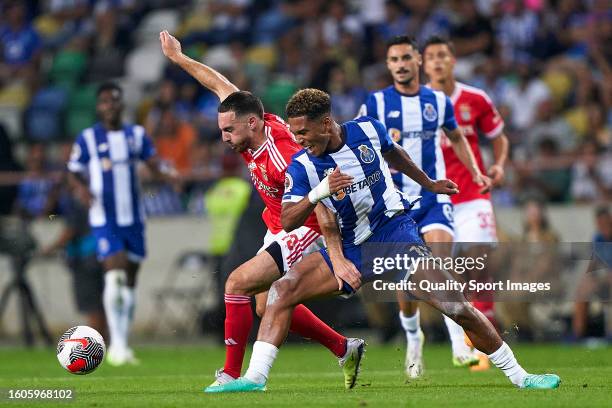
(402, 39)
(242, 103)
(438, 40)
(109, 86)
(309, 102)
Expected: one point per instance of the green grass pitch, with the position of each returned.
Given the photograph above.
(309, 376)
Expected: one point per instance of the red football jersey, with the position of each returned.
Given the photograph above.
(474, 112)
(267, 166)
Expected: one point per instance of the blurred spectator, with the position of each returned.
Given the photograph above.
(35, 187)
(516, 32)
(598, 278)
(174, 140)
(472, 33)
(9, 174)
(536, 227)
(338, 22)
(165, 99)
(592, 174)
(547, 125)
(524, 97)
(21, 46)
(545, 175)
(229, 23)
(396, 21)
(345, 95)
(425, 20)
(107, 57)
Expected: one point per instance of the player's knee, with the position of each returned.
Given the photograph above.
(235, 285)
(282, 292)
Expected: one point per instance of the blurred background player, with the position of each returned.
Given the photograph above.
(266, 145)
(413, 116)
(107, 154)
(474, 218)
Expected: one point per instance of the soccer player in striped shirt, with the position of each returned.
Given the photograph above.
(104, 176)
(415, 117)
(266, 145)
(344, 166)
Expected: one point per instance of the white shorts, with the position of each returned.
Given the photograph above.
(475, 222)
(294, 245)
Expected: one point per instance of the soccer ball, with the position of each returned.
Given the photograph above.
(80, 350)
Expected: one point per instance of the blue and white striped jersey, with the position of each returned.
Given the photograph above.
(110, 158)
(414, 122)
(371, 198)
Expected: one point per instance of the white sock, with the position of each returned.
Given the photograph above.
(504, 359)
(457, 337)
(112, 300)
(127, 312)
(411, 325)
(262, 359)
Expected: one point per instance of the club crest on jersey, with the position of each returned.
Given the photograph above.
(465, 112)
(395, 134)
(429, 112)
(367, 155)
(288, 182)
(252, 166)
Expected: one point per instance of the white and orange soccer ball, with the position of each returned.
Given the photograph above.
(80, 350)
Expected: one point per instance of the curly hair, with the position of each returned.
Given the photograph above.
(310, 102)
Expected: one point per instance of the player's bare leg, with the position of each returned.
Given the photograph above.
(254, 277)
(310, 278)
(479, 329)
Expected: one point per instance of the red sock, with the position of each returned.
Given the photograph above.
(309, 326)
(238, 323)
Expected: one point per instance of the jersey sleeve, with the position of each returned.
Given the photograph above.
(450, 123)
(489, 120)
(79, 156)
(368, 108)
(386, 143)
(297, 185)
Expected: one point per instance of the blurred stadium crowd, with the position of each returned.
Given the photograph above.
(545, 64)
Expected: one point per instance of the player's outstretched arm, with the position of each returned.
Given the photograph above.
(464, 152)
(344, 269)
(401, 161)
(205, 75)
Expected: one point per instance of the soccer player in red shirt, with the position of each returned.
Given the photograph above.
(266, 145)
(475, 113)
